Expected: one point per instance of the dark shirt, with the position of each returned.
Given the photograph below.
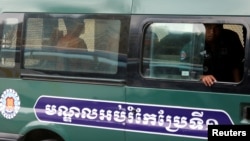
(227, 55)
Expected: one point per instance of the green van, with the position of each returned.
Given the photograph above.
(129, 82)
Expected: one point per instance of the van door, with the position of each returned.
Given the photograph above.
(166, 99)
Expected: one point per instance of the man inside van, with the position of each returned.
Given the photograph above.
(72, 40)
(223, 60)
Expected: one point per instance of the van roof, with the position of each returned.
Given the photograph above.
(171, 7)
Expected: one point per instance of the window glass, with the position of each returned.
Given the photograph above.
(8, 43)
(173, 51)
(186, 51)
(72, 44)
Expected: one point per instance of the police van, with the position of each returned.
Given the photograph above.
(128, 83)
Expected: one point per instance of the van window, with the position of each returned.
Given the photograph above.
(163, 43)
(177, 51)
(8, 43)
(72, 43)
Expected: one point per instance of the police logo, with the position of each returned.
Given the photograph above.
(9, 103)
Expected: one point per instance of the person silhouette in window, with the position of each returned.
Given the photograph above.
(72, 40)
(224, 56)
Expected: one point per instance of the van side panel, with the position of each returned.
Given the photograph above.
(74, 101)
(164, 94)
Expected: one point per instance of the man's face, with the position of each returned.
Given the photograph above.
(212, 32)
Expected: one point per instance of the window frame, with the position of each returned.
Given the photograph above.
(81, 76)
(135, 77)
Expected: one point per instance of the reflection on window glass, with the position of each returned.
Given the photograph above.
(173, 51)
(9, 40)
(72, 44)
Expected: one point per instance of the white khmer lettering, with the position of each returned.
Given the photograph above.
(132, 115)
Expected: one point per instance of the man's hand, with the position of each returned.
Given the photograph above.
(208, 80)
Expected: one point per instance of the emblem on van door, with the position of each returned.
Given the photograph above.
(9, 103)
